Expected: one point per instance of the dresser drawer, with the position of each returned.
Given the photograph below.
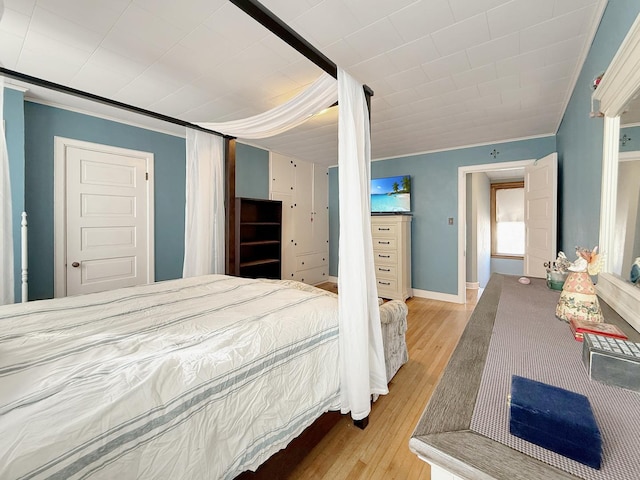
(384, 230)
(385, 258)
(304, 262)
(386, 284)
(386, 271)
(385, 243)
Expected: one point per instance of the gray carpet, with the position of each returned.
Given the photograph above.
(529, 341)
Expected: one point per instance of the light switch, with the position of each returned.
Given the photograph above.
(450, 220)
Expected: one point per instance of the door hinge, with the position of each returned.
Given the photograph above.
(146, 175)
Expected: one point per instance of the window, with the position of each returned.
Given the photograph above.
(507, 219)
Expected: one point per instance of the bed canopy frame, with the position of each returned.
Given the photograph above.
(271, 22)
(274, 24)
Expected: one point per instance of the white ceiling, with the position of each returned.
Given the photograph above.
(446, 73)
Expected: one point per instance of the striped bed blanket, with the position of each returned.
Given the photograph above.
(195, 378)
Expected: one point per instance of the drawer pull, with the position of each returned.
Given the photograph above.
(384, 269)
(384, 283)
(383, 243)
(380, 229)
(384, 256)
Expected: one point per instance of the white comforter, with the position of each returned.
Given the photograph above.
(199, 378)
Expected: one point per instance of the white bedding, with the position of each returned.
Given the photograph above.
(196, 378)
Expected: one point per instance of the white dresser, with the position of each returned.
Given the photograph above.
(392, 255)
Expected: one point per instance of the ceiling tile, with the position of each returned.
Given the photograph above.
(372, 69)
(566, 6)
(51, 50)
(97, 16)
(125, 44)
(468, 8)
(475, 76)
(374, 39)
(325, 14)
(499, 85)
(22, 6)
(149, 28)
(185, 16)
(518, 14)
(546, 74)
(494, 50)
(445, 66)
(342, 53)
(521, 63)
(14, 22)
(462, 35)
(103, 81)
(288, 10)
(555, 30)
(105, 59)
(422, 18)
(65, 31)
(10, 47)
(436, 88)
(370, 11)
(403, 97)
(228, 20)
(414, 53)
(406, 79)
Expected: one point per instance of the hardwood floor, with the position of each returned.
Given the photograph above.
(381, 451)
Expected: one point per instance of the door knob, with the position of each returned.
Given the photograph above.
(75, 264)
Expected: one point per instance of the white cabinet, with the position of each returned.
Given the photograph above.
(302, 188)
(391, 235)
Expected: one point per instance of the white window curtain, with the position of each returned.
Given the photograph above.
(320, 95)
(6, 222)
(362, 367)
(204, 247)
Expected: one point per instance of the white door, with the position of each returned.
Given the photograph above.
(108, 232)
(540, 206)
(320, 224)
(303, 208)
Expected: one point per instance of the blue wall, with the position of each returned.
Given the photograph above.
(434, 198)
(252, 172)
(580, 137)
(42, 123)
(14, 122)
(507, 266)
(633, 144)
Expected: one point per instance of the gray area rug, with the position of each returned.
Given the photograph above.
(528, 340)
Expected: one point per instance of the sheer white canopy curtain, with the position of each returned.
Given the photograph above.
(362, 370)
(361, 354)
(6, 220)
(204, 230)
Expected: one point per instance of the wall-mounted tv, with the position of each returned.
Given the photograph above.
(391, 194)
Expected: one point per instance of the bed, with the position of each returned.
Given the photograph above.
(194, 378)
(203, 377)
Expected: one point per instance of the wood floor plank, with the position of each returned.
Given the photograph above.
(381, 451)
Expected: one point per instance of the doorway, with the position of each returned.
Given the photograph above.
(103, 217)
(540, 180)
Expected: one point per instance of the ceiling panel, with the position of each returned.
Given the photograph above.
(446, 73)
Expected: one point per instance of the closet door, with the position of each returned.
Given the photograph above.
(320, 209)
(303, 208)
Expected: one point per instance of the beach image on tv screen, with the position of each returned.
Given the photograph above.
(391, 194)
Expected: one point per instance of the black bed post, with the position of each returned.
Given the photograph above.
(230, 204)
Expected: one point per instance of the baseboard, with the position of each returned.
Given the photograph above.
(444, 297)
(473, 285)
(332, 279)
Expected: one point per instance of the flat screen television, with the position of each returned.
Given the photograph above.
(391, 194)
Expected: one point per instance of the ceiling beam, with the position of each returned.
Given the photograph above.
(275, 25)
(23, 77)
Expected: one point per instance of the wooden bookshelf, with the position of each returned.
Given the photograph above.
(258, 238)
